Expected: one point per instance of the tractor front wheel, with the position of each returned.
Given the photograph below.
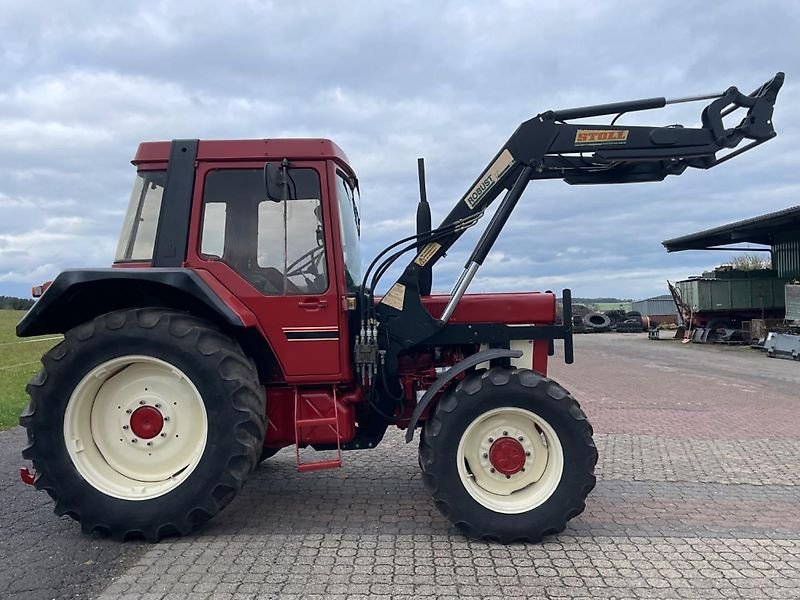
(144, 423)
(508, 455)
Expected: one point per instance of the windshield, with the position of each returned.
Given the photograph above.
(139, 228)
(351, 231)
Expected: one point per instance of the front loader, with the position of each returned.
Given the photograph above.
(236, 320)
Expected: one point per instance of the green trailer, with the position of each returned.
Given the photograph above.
(733, 294)
(728, 299)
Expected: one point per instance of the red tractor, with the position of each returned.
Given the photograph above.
(236, 320)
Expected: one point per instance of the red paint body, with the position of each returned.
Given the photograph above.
(312, 396)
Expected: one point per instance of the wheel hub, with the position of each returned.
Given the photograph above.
(146, 422)
(509, 459)
(161, 427)
(507, 456)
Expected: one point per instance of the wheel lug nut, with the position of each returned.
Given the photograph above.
(505, 433)
(520, 438)
(125, 427)
(491, 440)
(163, 435)
(508, 476)
(141, 402)
(149, 443)
(527, 454)
(158, 406)
(129, 411)
(166, 418)
(491, 470)
(485, 455)
(134, 440)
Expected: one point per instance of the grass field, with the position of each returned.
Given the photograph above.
(19, 360)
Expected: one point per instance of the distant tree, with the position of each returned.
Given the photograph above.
(12, 303)
(751, 262)
(601, 300)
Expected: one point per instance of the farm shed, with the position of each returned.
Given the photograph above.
(660, 309)
(745, 294)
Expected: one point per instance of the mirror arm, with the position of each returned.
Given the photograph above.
(285, 178)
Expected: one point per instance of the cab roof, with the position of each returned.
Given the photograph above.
(291, 148)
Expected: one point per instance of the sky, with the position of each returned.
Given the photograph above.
(82, 83)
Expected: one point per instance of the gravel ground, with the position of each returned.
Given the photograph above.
(697, 496)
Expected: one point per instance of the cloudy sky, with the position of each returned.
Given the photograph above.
(81, 83)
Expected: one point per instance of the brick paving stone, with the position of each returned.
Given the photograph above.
(696, 498)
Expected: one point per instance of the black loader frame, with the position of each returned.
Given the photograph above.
(544, 147)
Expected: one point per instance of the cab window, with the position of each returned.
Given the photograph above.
(279, 247)
(141, 220)
(350, 227)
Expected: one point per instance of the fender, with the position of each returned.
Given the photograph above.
(76, 296)
(444, 378)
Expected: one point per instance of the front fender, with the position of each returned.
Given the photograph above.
(444, 378)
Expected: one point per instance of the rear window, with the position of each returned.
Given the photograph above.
(138, 235)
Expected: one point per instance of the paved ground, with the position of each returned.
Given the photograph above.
(697, 497)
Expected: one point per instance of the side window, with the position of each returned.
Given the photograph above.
(279, 247)
(291, 240)
(139, 228)
(213, 240)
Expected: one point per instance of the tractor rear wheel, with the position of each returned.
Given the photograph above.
(144, 423)
(508, 455)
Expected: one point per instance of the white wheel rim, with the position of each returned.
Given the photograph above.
(524, 489)
(134, 459)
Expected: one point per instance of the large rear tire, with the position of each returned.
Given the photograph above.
(508, 456)
(144, 423)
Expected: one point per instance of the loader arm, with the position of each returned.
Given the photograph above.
(550, 146)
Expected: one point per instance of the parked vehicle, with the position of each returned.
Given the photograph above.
(236, 321)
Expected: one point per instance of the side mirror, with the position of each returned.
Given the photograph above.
(276, 185)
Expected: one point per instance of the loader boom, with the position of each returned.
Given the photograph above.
(549, 147)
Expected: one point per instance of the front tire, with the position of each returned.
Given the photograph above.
(508, 455)
(144, 423)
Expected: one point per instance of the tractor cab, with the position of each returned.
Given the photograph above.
(275, 222)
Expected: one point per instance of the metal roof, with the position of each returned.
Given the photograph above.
(661, 297)
(757, 230)
(226, 150)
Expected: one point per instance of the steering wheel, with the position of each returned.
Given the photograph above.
(308, 264)
(272, 282)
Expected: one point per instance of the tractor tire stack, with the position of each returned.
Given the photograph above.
(597, 322)
(614, 320)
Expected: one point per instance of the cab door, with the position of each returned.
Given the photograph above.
(274, 257)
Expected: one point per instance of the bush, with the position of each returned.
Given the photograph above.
(12, 303)
(751, 262)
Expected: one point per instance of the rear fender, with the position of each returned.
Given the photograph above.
(76, 296)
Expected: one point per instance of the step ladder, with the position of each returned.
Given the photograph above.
(319, 420)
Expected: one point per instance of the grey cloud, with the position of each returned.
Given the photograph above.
(82, 83)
